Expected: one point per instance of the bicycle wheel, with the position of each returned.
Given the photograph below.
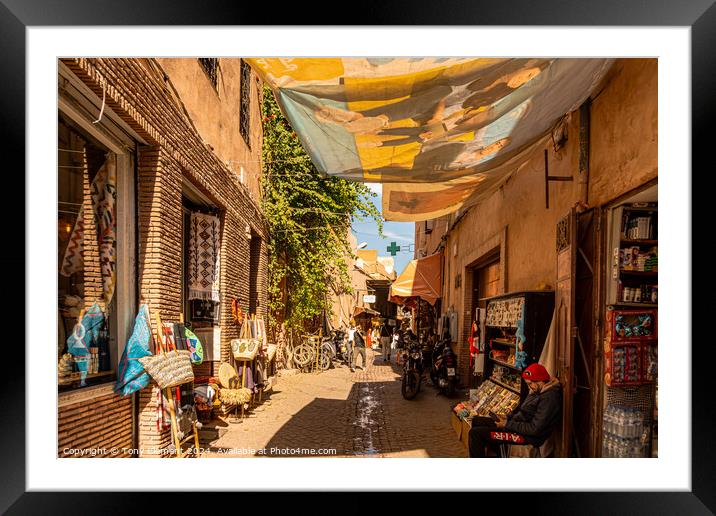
(303, 354)
(324, 361)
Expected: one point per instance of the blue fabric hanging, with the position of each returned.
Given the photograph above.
(131, 376)
(85, 335)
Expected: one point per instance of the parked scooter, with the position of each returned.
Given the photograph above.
(338, 343)
(412, 359)
(443, 371)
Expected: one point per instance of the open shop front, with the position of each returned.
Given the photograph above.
(602, 341)
(511, 333)
(630, 350)
(419, 287)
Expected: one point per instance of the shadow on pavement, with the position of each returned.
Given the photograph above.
(374, 420)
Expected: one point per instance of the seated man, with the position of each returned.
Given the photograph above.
(531, 423)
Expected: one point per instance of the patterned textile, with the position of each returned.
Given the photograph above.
(72, 260)
(131, 376)
(104, 199)
(507, 436)
(439, 132)
(85, 335)
(204, 249)
(164, 418)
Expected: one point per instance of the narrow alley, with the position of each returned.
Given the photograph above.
(356, 414)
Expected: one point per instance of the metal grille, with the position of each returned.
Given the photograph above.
(563, 234)
(244, 120)
(211, 67)
(639, 397)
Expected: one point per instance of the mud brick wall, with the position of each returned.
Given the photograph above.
(100, 423)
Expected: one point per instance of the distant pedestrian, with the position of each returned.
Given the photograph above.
(358, 349)
(395, 338)
(351, 342)
(385, 341)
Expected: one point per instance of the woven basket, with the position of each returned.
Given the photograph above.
(234, 396)
(245, 348)
(169, 369)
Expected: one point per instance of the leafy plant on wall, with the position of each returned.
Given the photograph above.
(309, 217)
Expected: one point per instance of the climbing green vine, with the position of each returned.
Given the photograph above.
(309, 217)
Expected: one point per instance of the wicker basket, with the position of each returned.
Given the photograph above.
(169, 369)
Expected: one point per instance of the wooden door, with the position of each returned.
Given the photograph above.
(586, 334)
(564, 307)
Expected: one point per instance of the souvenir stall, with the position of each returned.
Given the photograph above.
(629, 418)
(515, 329)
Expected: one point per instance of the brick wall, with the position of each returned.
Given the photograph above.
(102, 422)
(177, 153)
(150, 439)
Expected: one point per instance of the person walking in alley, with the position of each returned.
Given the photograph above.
(385, 340)
(358, 349)
(531, 423)
(351, 342)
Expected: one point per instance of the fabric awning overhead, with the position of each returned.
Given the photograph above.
(421, 278)
(440, 133)
(359, 310)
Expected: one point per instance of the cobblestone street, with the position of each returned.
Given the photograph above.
(356, 414)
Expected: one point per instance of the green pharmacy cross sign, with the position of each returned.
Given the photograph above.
(393, 249)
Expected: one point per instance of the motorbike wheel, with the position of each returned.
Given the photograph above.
(327, 348)
(450, 389)
(410, 385)
(434, 379)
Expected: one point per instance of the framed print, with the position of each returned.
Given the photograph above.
(347, 208)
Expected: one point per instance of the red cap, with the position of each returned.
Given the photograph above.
(536, 373)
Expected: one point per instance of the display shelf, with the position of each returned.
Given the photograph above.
(506, 364)
(76, 377)
(640, 208)
(504, 342)
(636, 305)
(642, 241)
(504, 385)
(530, 310)
(638, 273)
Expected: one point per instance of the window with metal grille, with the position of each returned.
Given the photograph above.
(211, 67)
(245, 112)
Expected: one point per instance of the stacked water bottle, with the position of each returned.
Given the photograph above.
(624, 432)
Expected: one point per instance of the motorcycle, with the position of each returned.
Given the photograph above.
(412, 359)
(443, 370)
(337, 342)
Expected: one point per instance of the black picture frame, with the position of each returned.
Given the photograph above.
(17, 15)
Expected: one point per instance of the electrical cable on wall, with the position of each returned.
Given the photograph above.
(104, 94)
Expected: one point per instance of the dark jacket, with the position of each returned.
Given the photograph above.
(538, 415)
(384, 331)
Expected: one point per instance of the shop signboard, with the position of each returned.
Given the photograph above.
(369, 298)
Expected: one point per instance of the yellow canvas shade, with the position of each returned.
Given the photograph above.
(421, 278)
(440, 133)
